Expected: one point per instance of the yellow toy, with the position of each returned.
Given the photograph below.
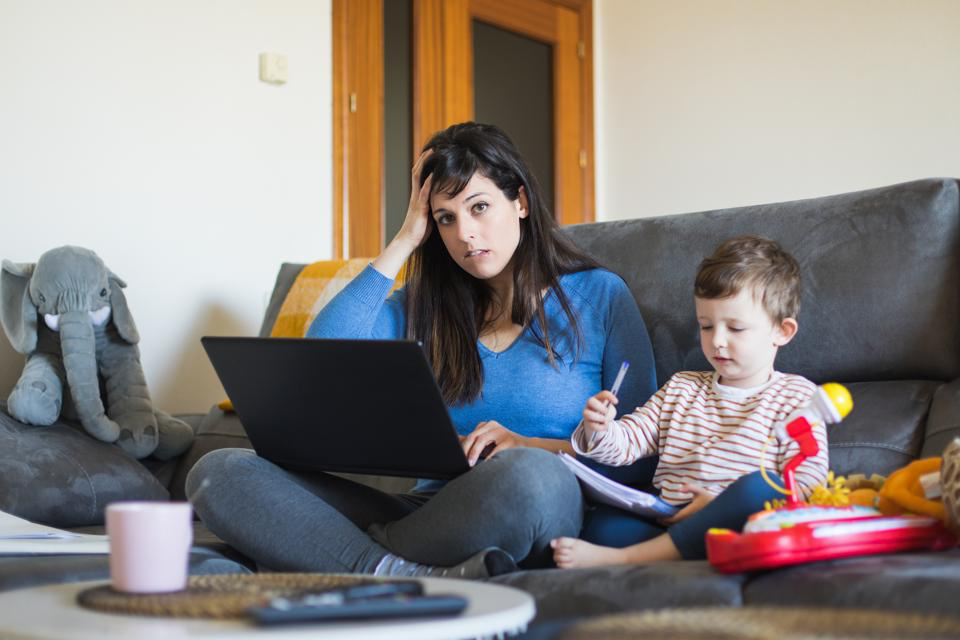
(827, 526)
(913, 489)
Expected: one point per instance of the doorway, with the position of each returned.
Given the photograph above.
(404, 69)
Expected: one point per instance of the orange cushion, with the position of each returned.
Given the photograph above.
(313, 288)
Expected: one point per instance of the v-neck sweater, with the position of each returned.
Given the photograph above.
(522, 389)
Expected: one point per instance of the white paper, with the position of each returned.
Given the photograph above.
(14, 528)
(22, 537)
(604, 490)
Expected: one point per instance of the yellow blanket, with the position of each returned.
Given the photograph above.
(313, 288)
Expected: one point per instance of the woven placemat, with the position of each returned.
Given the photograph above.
(218, 596)
(762, 623)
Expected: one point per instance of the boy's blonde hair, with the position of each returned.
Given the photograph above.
(755, 262)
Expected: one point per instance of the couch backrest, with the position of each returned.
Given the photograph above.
(881, 279)
(880, 309)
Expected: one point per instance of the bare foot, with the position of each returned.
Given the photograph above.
(573, 553)
(569, 553)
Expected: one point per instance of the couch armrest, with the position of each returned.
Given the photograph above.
(285, 277)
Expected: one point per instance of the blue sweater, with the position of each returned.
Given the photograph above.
(522, 390)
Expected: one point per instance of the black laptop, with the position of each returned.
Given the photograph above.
(360, 406)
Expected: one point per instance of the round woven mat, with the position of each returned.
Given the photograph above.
(220, 596)
(762, 623)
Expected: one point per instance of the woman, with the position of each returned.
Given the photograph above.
(520, 328)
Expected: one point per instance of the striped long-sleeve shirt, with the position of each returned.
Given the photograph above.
(710, 434)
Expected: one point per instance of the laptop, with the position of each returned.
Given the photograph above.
(358, 406)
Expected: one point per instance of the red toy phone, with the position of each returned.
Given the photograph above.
(799, 532)
(789, 536)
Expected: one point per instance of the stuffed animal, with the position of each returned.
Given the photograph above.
(914, 488)
(950, 484)
(68, 315)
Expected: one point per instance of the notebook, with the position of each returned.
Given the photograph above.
(357, 406)
(602, 489)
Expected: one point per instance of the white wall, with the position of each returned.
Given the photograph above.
(703, 104)
(139, 129)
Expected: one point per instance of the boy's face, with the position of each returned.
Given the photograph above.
(740, 339)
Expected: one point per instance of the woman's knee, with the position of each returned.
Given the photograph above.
(537, 479)
(218, 466)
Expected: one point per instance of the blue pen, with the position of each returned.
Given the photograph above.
(615, 389)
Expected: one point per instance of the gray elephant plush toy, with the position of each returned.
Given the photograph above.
(68, 315)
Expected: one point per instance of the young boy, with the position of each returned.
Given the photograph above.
(709, 428)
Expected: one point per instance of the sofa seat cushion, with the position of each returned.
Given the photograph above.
(203, 539)
(29, 571)
(62, 477)
(165, 470)
(918, 581)
(575, 593)
(219, 429)
(885, 430)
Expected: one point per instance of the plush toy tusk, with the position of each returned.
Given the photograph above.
(52, 321)
(100, 316)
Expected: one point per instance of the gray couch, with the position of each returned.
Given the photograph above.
(880, 314)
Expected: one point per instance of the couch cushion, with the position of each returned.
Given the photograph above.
(62, 477)
(886, 428)
(919, 582)
(573, 593)
(881, 277)
(943, 424)
(219, 429)
(28, 571)
(165, 470)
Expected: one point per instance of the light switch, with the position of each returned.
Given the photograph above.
(273, 68)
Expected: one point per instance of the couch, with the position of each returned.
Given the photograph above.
(880, 313)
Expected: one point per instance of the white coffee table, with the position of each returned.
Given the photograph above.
(52, 611)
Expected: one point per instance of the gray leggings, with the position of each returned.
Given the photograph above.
(517, 500)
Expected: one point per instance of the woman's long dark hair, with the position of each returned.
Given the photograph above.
(447, 307)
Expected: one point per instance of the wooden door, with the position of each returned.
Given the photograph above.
(443, 94)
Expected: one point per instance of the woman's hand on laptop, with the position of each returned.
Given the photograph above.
(488, 439)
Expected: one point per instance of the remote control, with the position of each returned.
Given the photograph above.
(364, 602)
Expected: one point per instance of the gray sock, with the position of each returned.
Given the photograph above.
(484, 564)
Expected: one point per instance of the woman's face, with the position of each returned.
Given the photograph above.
(480, 226)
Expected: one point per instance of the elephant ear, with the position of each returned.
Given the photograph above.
(17, 310)
(122, 318)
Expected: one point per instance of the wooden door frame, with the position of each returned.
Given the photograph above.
(442, 95)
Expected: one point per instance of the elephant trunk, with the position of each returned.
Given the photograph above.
(79, 348)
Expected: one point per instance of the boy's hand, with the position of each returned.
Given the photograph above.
(701, 498)
(599, 412)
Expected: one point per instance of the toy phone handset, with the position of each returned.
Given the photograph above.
(799, 532)
(830, 404)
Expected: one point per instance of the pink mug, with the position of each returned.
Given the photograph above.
(149, 545)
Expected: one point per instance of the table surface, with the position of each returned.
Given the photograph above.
(51, 612)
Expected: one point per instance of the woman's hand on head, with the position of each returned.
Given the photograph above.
(416, 225)
(490, 434)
